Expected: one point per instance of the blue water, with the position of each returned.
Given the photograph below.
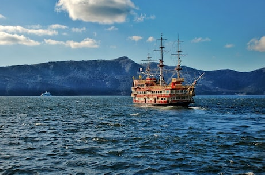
(111, 135)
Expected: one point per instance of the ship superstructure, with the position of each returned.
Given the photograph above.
(153, 91)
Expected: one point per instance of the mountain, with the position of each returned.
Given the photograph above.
(114, 77)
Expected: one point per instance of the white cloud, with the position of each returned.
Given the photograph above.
(53, 42)
(79, 30)
(2, 17)
(57, 26)
(100, 11)
(140, 18)
(257, 45)
(143, 17)
(150, 39)
(135, 38)
(200, 39)
(9, 39)
(19, 29)
(229, 46)
(152, 17)
(35, 26)
(86, 43)
(112, 28)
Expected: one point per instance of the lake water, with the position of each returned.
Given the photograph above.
(110, 135)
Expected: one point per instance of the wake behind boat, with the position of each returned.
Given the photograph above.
(155, 91)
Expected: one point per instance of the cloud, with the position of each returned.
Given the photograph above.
(135, 38)
(143, 17)
(100, 11)
(53, 42)
(229, 46)
(257, 45)
(2, 17)
(57, 26)
(79, 30)
(35, 26)
(19, 29)
(112, 28)
(86, 43)
(200, 39)
(9, 39)
(150, 39)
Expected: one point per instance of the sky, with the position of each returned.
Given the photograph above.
(216, 34)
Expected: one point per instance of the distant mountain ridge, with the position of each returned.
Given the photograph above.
(114, 77)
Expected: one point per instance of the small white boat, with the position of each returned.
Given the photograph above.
(46, 94)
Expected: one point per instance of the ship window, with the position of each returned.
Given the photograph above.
(167, 92)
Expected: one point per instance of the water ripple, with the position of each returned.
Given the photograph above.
(110, 135)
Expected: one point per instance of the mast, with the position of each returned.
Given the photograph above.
(178, 68)
(161, 61)
(148, 66)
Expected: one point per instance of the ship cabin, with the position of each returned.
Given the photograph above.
(149, 91)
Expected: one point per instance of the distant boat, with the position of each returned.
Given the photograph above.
(46, 94)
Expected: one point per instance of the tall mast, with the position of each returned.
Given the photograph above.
(161, 61)
(178, 68)
(148, 71)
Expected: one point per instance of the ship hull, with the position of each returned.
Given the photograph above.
(164, 103)
(182, 104)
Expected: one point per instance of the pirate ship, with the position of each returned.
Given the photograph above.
(150, 90)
